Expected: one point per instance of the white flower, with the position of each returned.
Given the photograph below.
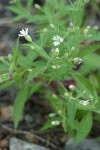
(24, 32)
(80, 61)
(57, 40)
(86, 102)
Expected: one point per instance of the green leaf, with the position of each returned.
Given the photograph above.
(85, 126)
(29, 4)
(84, 84)
(19, 104)
(62, 89)
(4, 68)
(14, 9)
(54, 101)
(92, 60)
(65, 123)
(21, 98)
(34, 87)
(35, 72)
(37, 18)
(6, 84)
(48, 124)
(31, 55)
(95, 36)
(15, 53)
(89, 49)
(18, 76)
(39, 50)
(71, 106)
(24, 62)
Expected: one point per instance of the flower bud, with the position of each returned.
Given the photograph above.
(66, 55)
(89, 35)
(86, 102)
(65, 94)
(73, 48)
(85, 31)
(32, 47)
(37, 6)
(72, 87)
(71, 24)
(55, 122)
(56, 52)
(45, 30)
(96, 27)
(86, 1)
(9, 57)
(28, 38)
(52, 26)
(29, 70)
(54, 96)
(51, 114)
(88, 27)
(54, 67)
(77, 61)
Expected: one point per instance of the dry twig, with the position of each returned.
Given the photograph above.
(15, 131)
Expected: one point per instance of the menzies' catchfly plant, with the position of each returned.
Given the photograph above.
(59, 60)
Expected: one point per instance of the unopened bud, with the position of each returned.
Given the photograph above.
(37, 6)
(29, 70)
(89, 35)
(32, 47)
(45, 30)
(96, 27)
(77, 61)
(54, 96)
(86, 102)
(85, 31)
(9, 57)
(88, 27)
(1, 59)
(72, 87)
(51, 115)
(56, 52)
(86, 1)
(65, 94)
(66, 55)
(28, 38)
(71, 24)
(52, 26)
(73, 48)
(54, 67)
(55, 122)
